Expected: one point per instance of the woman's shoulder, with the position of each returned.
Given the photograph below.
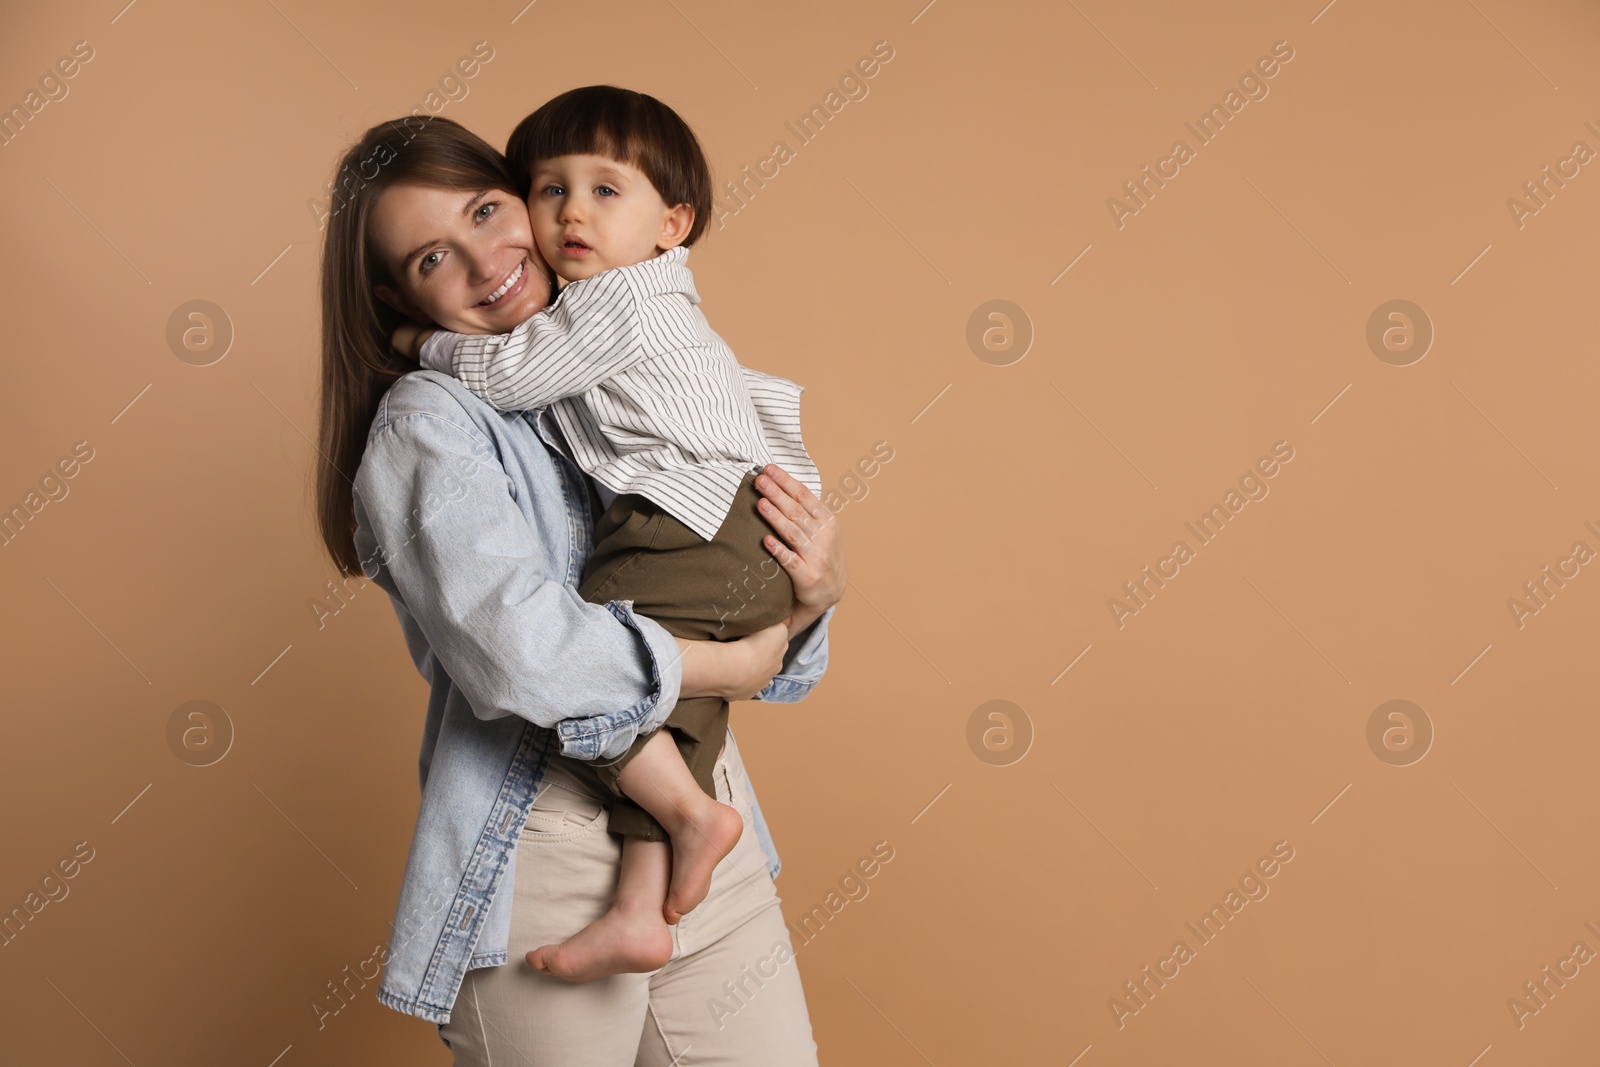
(426, 397)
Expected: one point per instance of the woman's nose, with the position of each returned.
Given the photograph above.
(479, 265)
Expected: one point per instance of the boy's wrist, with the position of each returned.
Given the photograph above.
(436, 350)
(408, 337)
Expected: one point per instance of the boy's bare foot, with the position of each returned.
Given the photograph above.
(619, 942)
(710, 830)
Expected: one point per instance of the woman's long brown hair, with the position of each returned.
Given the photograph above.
(357, 364)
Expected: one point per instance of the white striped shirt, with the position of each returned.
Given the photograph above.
(649, 398)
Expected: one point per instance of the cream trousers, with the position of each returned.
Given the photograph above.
(730, 994)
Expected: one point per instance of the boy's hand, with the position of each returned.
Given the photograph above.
(407, 340)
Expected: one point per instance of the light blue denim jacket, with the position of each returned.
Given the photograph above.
(477, 525)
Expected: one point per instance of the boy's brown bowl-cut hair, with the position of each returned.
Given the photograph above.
(624, 126)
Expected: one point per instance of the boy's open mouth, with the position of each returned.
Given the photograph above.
(572, 244)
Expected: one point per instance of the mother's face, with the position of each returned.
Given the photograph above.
(462, 259)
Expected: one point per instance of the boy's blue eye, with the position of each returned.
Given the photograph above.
(606, 189)
(553, 190)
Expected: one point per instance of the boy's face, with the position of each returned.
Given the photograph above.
(590, 213)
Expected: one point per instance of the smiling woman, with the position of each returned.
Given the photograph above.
(477, 523)
(360, 293)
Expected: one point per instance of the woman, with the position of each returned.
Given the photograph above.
(477, 524)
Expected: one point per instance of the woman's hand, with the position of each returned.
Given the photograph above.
(732, 670)
(407, 340)
(807, 544)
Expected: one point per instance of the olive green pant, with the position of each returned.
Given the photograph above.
(718, 590)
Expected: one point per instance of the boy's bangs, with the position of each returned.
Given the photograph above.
(585, 136)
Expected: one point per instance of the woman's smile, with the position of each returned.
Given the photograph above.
(510, 287)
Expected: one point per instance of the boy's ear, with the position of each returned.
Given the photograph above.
(675, 226)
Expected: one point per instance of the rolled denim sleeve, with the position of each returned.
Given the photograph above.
(439, 527)
(803, 664)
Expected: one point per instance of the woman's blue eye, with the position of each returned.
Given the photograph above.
(423, 265)
(489, 207)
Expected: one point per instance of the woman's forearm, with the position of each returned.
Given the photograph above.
(804, 615)
(698, 673)
(732, 670)
(706, 669)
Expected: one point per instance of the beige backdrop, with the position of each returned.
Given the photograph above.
(1433, 856)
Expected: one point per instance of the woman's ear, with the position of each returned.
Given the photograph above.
(676, 226)
(393, 298)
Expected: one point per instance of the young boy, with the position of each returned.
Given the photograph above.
(658, 411)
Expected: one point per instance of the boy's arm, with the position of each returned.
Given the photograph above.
(409, 341)
(591, 333)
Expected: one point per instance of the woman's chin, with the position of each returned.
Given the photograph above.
(534, 298)
(502, 316)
